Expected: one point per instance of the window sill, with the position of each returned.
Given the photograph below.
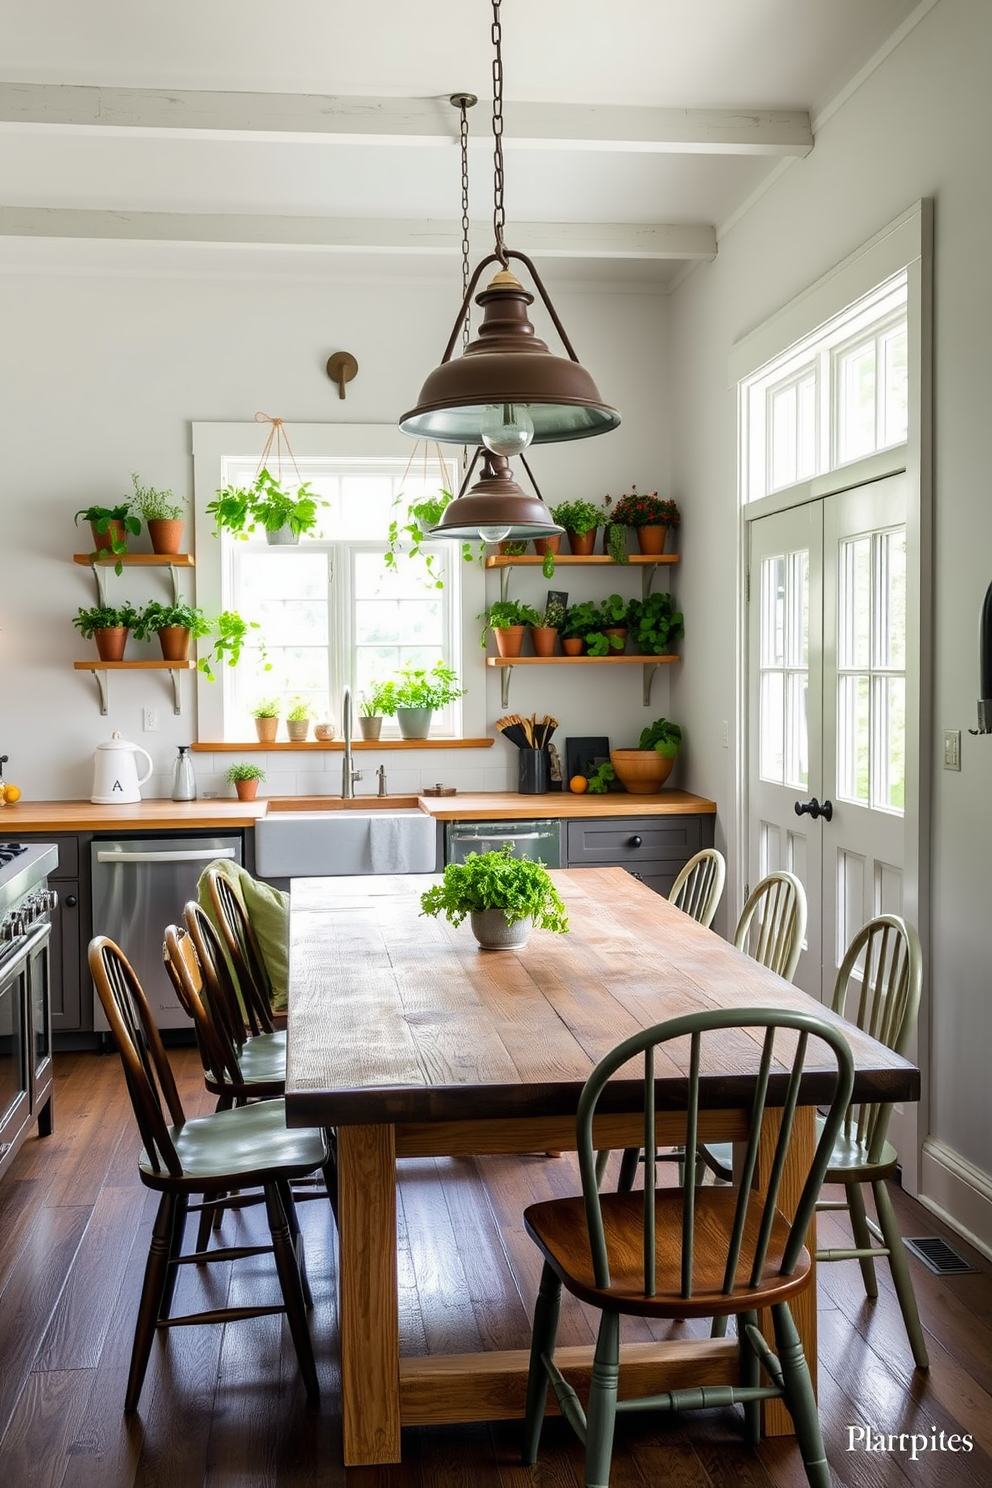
(245, 746)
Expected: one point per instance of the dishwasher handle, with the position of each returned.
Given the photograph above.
(203, 855)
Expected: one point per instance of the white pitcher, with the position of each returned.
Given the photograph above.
(115, 772)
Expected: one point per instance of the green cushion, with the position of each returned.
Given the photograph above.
(268, 910)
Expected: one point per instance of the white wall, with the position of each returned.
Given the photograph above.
(921, 125)
(110, 352)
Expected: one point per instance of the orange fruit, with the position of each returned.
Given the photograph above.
(11, 794)
(578, 784)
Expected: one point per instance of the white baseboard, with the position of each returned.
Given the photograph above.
(958, 1192)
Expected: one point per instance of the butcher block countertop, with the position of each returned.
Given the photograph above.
(164, 816)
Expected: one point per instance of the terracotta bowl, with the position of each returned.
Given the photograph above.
(641, 771)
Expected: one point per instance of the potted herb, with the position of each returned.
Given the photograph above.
(176, 625)
(284, 515)
(580, 520)
(266, 716)
(375, 704)
(584, 623)
(161, 513)
(655, 623)
(645, 769)
(298, 716)
(650, 515)
(505, 897)
(245, 778)
(110, 526)
(614, 611)
(419, 692)
(508, 619)
(544, 635)
(108, 626)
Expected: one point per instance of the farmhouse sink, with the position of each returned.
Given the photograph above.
(316, 844)
(340, 803)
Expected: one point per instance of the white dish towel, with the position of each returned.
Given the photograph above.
(402, 844)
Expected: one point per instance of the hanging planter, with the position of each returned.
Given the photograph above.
(285, 515)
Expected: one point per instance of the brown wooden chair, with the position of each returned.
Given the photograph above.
(243, 951)
(878, 987)
(239, 1149)
(689, 1251)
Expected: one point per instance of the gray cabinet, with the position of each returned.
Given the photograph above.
(71, 1012)
(652, 848)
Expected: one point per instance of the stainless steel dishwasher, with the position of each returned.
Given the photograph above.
(140, 885)
(540, 840)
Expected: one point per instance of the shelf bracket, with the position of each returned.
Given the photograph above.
(102, 682)
(177, 696)
(100, 574)
(504, 588)
(504, 686)
(647, 578)
(650, 667)
(176, 588)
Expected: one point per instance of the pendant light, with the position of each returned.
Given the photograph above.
(507, 390)
(495, 508)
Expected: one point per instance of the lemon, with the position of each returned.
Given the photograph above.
(578, 784)
(11, 793)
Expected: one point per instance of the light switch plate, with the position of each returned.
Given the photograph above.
(952, 749)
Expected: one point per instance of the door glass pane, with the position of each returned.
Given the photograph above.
(797, 730)
(772, 640)
(890, 744)
(854, 603)
(783, 724)
(853, 737)
(871, 688)
(891, 599)
(771, 727)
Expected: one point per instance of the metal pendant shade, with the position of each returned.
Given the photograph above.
(495, 505)
(506, 369)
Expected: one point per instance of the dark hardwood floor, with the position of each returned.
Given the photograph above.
(225, 1407)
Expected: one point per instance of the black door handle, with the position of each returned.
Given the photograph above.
(813, 808)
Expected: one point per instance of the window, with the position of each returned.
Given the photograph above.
(871, 670)
(330, 610)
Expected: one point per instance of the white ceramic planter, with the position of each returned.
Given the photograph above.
(493, 933)
(415, 723)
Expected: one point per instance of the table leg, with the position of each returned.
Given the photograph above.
(776, 1419)
(369, 1304)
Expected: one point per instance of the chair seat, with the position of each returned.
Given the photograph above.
(248, 1145)
(558, 1227)
(263, 1058)
(849, 1160)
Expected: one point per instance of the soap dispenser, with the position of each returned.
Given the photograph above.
(184, 781)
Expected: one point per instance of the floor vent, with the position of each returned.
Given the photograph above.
(938, 1256)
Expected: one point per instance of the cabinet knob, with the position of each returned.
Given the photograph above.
(70, 900)
(638, 876)
(634, 842)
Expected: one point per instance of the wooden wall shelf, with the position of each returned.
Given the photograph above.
(649, 663)
(101, 668)
(172, 561)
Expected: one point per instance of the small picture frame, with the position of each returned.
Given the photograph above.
(583, 755)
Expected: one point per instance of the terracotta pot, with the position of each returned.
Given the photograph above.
(116, 532)
(573, 646)
(174, 640)
(544, 545)
(166, 534)
(110, 643)
(246, 789)
(651, 539)
(370, 728)
(581, 547)
(510, 640)
(641, 771)
(266, 729)
(543, 638)
(297, 729)
(621, 632)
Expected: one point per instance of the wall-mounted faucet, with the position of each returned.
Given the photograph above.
(381, 777)
(348, 772)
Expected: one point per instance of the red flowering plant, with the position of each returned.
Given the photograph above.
(641, 510)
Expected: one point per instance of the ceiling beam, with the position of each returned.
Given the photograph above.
(591, 240)
(402, 121)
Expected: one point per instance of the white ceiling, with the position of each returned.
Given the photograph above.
(318, 129)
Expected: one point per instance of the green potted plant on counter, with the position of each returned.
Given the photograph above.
(644, 770)
(508, 620)
(580, 520)
(108, 626)
(419, 692)
(110, 526)
(504, 896)
(161, 513)
(245, 778)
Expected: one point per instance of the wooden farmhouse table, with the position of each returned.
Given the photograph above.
(413, 1042)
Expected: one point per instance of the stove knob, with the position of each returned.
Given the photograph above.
(7, 928)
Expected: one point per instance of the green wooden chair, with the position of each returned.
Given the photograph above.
(773, 923)
(689, 1251)
(698, 888)
(211, 1156)
(878, 987)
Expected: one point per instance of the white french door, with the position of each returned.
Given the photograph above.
(827, 710)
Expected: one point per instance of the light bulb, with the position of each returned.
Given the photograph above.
(494, 534)
(507, 428)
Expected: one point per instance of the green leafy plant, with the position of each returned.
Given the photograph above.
(243, 770)
(656, 624)
(240, 509)
(153, 505)
(231, 637)
(106, 617)
(418, 688)
(601, 779)
(637, 509)
(616, 542)
(265, 708)
(229, 631)
(586, 621)
(579, 517)
(298, 710)
(520, 887)
(407, 537)
(614, 609)
(155, 617)
(102, 519)
(503, 613)
(662, 736)
(548, 565)
(379, 700)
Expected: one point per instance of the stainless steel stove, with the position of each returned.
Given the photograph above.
(26, 905)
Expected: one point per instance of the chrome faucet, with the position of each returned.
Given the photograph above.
(348, 772)
(381, 777)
